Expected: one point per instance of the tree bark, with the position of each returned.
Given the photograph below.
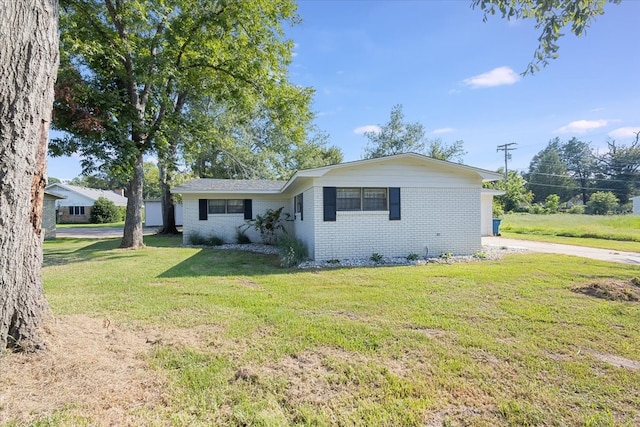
(132, 237)
(28, 67)
(168, 206)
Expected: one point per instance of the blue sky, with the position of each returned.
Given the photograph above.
(460, 77)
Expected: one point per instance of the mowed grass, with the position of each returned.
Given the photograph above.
(617, 232)
(83, 225)
(487, 343)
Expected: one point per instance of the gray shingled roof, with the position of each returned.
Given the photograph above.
(91, 193)
(228, 185)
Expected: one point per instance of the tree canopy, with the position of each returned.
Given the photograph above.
(130, 71)
(398, 136)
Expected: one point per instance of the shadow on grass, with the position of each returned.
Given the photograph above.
(206, 262)
(214, 262)
(70, 250)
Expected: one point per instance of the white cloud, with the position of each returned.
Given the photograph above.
(368, 128)
(625, 132)
(497, 77)
(582, 126)
(442, 130)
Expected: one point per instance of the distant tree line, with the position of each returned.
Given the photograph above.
(574, 173)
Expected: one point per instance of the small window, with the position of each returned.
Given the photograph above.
(374, 199)
(348, 199)
(235, 206)
(217, 206)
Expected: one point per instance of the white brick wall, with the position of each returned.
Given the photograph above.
(225, 225)
(434, 219)
(304, 229)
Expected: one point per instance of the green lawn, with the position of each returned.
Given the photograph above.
(617, 232)
(488, 343)
(73, 225)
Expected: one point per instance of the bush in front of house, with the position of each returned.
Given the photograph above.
(292, 251)
(104, 211)
(198, 239)
(242, 238)
(270, 225)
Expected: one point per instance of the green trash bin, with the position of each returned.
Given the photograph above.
(496, 226)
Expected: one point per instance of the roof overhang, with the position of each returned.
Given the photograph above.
(485, 175)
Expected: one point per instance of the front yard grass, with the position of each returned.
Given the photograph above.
(616, 232)
(236, 340)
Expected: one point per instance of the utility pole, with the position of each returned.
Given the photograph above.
(506, 148)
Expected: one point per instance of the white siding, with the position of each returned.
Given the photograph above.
(398, 174)
(304, 229)
(636, 205)
(72, 199)
(153, 213)
(434, 220)
(225, 226)
(486, 214)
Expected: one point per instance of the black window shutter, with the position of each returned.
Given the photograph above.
(329, 203)
(248, 209)
(70, 210)
(301, 207)
(394, 203)
(204, 209)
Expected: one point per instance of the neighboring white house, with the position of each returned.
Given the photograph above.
(76, 205)
(636, 205)
(394, 206)
(153, 213)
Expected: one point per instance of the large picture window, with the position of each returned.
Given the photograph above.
(361, 199)
(221, 206)
(76, 210)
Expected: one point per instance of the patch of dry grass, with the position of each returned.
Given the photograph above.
(91, 369)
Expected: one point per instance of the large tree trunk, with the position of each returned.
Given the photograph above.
(132, 237)
(168, 206)
(28, 67)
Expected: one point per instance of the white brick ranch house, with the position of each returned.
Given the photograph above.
(394, 206)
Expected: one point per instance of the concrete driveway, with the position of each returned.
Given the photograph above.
(555, 248)
(97, 232)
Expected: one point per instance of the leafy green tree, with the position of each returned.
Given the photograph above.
(551, 18)
(548, 174)
(151, 181)
(552, 203)
(602, 203)
(580, 162)
(441, 151)
(98, 180)
(397, 137)
(517, 195)
(619, 168)
(130, 70)
(104, 211)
